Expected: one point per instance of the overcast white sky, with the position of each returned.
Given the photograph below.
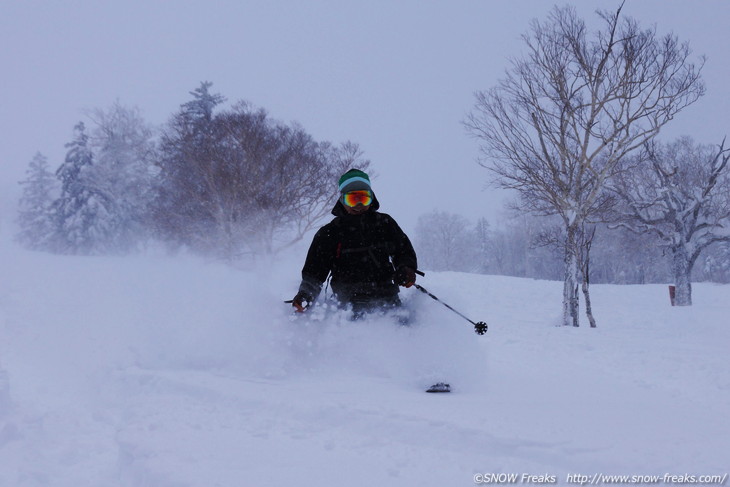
(395, 76)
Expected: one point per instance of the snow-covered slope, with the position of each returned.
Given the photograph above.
(173, 371)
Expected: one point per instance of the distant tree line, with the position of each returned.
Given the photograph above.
(524, 245)
(228, 182)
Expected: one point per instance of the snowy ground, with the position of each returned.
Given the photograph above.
(173, 371)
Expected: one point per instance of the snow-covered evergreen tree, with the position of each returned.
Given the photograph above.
(200, 108)
(83, 220)
(35, 212)
(122, 172)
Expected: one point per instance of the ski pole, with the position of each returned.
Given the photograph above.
(480, 327)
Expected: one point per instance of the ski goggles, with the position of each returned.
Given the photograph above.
(354, 198)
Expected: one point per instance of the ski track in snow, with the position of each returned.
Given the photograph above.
(173, 371)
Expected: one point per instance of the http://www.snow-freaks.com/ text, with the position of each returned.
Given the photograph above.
(600, 479)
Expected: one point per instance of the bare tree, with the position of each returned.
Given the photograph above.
(308, 190)
(679, 192)
(238, 182)
(556, 127)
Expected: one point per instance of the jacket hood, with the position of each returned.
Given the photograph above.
(339, 208)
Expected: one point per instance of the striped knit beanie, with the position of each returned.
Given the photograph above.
(354, 180)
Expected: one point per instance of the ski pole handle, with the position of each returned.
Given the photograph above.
(304, 308)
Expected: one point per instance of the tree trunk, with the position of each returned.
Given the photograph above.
(586, 242)
(682, 269)
(570, 284)
(589, 309)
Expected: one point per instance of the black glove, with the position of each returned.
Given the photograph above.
(301, 301)
(405, 276)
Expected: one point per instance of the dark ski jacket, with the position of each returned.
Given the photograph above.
(361, 252)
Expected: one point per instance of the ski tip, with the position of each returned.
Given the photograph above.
(439, 387)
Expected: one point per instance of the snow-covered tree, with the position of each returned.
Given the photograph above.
(83, 220)
(679, 192)
(35, 208)
(200, 108)
(565, 115)
(122, 172)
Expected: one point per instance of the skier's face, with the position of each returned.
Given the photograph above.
(357, 202)
(357, 210)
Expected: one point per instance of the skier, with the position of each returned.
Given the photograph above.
(366, 253)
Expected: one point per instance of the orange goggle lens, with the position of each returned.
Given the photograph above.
(354, 198)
